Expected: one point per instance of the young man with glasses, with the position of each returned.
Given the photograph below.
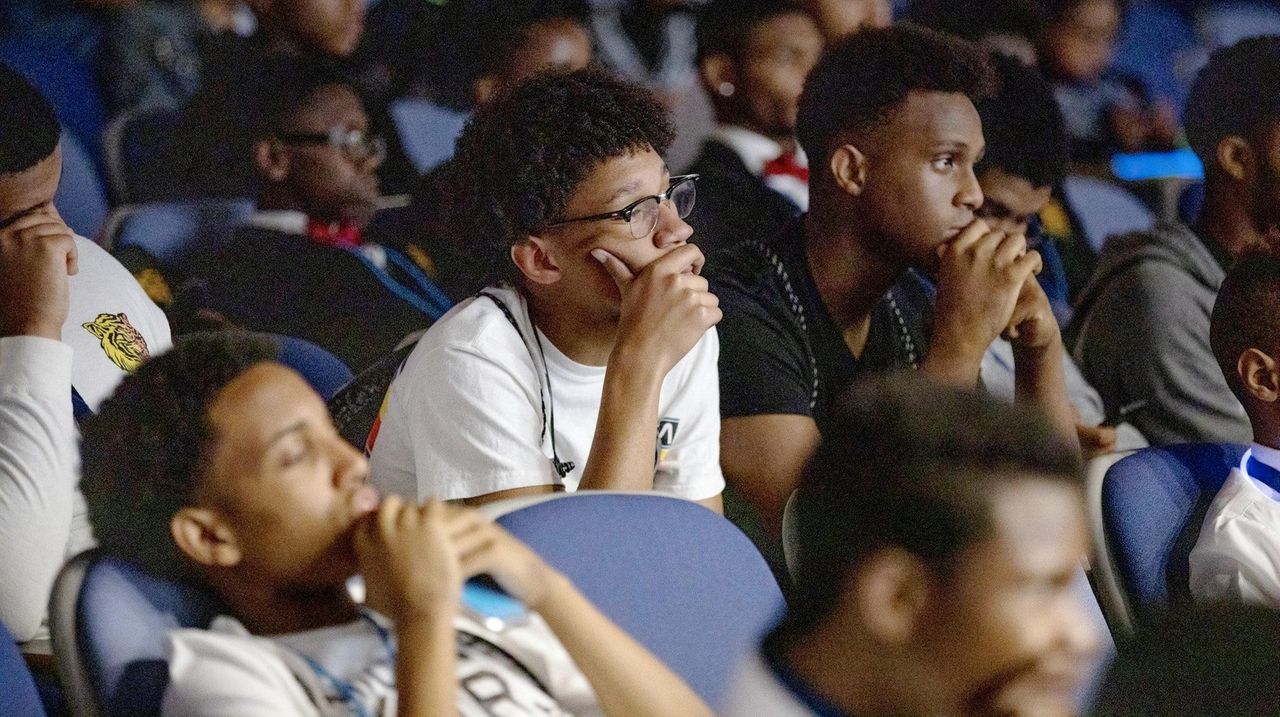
(302, 266)
(590, 361)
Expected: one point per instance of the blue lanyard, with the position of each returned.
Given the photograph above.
(1262, 472)
(424, 296)
(344, 688)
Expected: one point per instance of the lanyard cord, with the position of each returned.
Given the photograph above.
(424, 296)
(563, 468)
(346, 691)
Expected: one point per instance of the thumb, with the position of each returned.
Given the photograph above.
(622, 276)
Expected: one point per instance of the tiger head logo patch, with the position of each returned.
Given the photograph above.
(122, 343)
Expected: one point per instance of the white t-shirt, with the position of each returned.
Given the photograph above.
(111, 327)
(465, 416)
(349, 670)
(1237, 556)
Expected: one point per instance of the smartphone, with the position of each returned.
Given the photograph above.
(491, 606)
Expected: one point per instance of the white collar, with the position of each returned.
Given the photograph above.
(285, 221)
(753, 148)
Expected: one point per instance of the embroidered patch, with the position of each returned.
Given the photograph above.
(122, 343)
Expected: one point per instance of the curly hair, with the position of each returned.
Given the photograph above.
(29, 129)
(1026, 135)
(522, 156)
(1235, 94)
(144, 452)
(865, 77)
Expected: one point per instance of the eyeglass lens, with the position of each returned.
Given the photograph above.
(644, 217)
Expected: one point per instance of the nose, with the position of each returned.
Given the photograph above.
(969, 196)
(349, 465)
(671, 229)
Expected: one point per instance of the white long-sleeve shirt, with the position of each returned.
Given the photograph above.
(111, 328)
(38, 470)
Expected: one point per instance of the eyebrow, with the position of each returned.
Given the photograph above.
(18, 215)
(285, 432)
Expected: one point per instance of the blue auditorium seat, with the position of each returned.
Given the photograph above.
(18, 694)
(325, 372)
(81, 198)
(178, 233)
(1105, 209)
(68, 84)
(1152, 505)
(427, 130)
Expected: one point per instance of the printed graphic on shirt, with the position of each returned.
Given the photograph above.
(122, 343)
(667, 428)
(492, 683)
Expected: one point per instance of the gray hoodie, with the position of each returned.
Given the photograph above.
(1141, 331)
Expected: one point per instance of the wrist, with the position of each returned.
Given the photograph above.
(43, 329)
(634, 374)
(553, 585)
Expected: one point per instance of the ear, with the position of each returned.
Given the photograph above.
(534, 258)
(716, 71)
(204, 537)
(484, 88)
(1259, 375)
(849, 169)
(891, 591)
(1235, 157)
(270, 159)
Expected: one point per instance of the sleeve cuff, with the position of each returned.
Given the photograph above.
(36, 365)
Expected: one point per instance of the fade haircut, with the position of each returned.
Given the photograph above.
(1025, 133)
(522, 156)
(864, 78)
(290, 85)
(910, 464)
(503, 28)
(145, 452)
(29, 129)
(724, 26)
(1235, 94)
(1246, 315)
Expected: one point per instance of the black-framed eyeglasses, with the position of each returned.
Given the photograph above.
(642, 214)
(356, 145)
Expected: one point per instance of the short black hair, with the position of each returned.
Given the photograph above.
(1026, 135)
(1207, 661)
(290, 83)
(144, 453)
(1235, 94)
(974, 20)
(862, 79)
(29, 129)
(502, 28)
(521, 157)
(1246, 314)
(912, 464)
(725, 25)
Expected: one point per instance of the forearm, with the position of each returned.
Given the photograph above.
(952, 362)
(426, 673)
(627, 679)
(1040, 379)
(37, 476)
(622, 450)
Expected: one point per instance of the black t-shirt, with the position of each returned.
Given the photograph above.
(780, 350)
